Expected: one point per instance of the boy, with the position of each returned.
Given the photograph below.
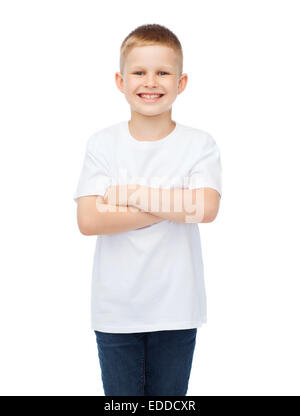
(148, 293)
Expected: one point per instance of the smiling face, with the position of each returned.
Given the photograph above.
(151, 70)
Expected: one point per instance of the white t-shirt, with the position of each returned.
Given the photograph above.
(149, 279)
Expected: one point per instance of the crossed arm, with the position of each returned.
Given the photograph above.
(176, 204)
(129, 207)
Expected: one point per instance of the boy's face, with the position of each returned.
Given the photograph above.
(151, 69)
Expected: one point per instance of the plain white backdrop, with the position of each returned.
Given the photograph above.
(57, 87)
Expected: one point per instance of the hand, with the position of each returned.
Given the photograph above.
(117, 195)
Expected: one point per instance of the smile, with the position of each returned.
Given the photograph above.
(150, 98)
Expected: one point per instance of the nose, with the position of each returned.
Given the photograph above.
(150, 81)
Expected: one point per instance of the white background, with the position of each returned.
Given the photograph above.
(57, 88)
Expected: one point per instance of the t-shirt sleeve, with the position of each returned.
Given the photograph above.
(94, 178)
(207, 168)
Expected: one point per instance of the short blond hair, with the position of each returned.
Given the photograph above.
(151, 34)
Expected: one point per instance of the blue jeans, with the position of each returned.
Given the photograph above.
(147, 363)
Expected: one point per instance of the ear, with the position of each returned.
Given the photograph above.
(119, 81)
(182, 83)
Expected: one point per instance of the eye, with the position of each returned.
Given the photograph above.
(160, 72)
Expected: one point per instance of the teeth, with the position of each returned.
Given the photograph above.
(150, 96)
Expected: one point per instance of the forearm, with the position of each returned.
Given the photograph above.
(177, 204)
(111, 219)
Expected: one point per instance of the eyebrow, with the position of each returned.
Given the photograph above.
(141, 67)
